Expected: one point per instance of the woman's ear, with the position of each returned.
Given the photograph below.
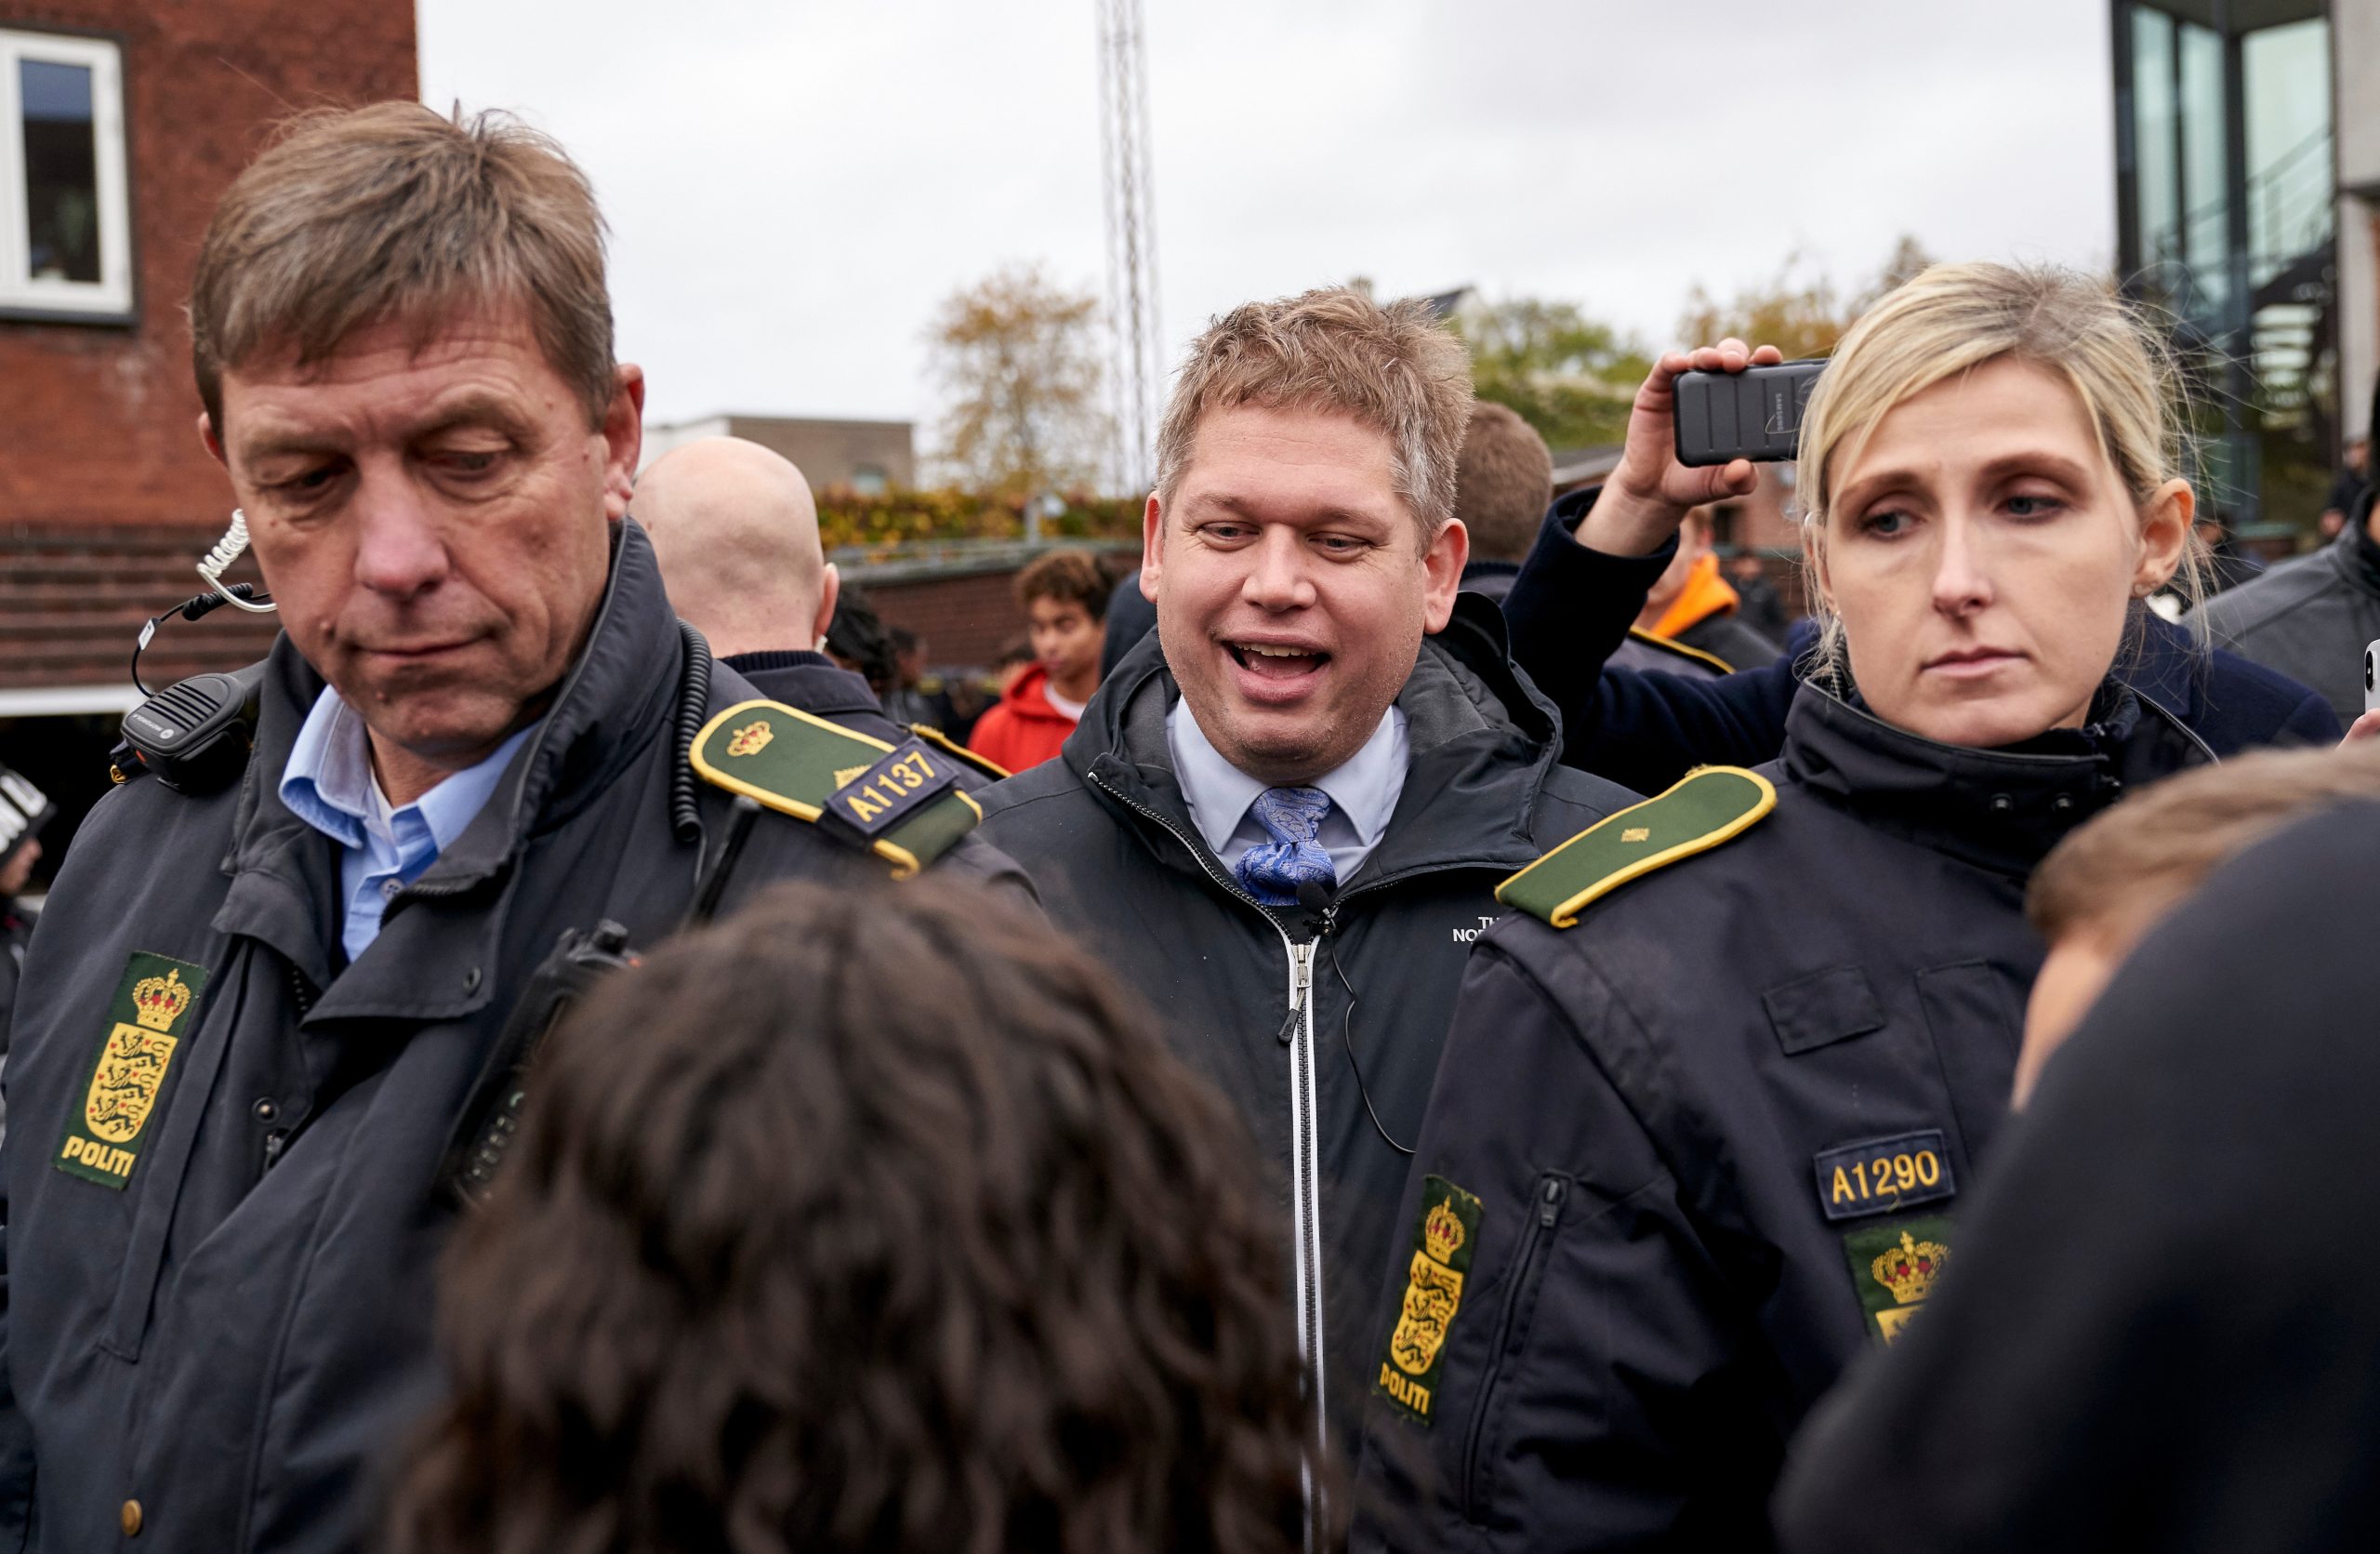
(2166, 521)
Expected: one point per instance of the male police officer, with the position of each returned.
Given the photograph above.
(252, 1018)
(1285, 816)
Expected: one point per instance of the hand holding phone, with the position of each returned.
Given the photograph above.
(1651, 490)
(2371, 676)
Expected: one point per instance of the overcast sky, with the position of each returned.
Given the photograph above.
(792, 187)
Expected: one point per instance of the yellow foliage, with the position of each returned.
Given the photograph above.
(1802, 316)
(901, 516)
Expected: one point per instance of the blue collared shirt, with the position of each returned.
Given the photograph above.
(329, 785)
(1363, 792)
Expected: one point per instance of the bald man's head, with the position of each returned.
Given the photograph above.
(736, 533)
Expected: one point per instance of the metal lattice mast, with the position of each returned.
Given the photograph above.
(1131, 239)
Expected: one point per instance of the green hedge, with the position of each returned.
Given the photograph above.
(899, 516)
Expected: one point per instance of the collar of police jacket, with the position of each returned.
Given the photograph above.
(1999, 809)
(611, 702)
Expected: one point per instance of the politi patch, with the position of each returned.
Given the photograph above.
(155, 1008)
(1893, 1268)
(1443, 1241)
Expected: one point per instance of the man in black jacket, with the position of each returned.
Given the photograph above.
(256, 1018)
(2310, 618)
(1283, 818)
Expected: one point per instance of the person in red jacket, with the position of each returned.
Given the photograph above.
(1064, 596)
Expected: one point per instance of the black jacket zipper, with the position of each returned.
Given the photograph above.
(1552, 1193)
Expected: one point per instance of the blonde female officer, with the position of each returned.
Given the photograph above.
(1713, 1096)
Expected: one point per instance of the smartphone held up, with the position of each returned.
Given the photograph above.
(1754, 414)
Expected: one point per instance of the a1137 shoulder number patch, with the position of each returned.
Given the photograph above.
(154, 1007)
(1444, 1240)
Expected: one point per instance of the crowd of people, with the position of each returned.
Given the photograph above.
(1429, 1015)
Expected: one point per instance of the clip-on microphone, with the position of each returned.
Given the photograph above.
(1322, 901)
(1315, 896)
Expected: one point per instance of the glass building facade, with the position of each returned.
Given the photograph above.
(2226, 200)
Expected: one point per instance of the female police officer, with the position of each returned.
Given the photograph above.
(1713, 1096)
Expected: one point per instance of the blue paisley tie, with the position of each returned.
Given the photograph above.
(1273, 870)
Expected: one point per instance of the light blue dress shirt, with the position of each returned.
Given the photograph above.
(329, 785)
(1363, 792)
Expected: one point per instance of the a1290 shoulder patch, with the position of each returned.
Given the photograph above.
(1444, 1240)
(155, 1008)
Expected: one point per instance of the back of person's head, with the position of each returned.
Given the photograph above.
(881, 1225)
(395, 212)
(2102, 889)
(1065, 576)
(1504, 483)
(735, 530)
(2127, 867)
(1392, 368)
(1952, 318)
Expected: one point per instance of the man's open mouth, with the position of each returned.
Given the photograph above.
(1275, 661)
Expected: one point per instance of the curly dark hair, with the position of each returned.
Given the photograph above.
(1070, 576)
(857, 637)
(866, 1222)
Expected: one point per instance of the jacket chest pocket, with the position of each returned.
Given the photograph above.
(1822, 1008)
(1865, 1058)
(1969, 1013)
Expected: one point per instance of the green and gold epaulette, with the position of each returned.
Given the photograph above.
(960, 752)
(896, 801)
(1670, 645)
(1710, 805)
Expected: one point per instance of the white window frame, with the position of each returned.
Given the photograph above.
(109, 297)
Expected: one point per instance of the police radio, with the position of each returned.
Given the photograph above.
(483, 1133)
(491, 1119)
(194, 736)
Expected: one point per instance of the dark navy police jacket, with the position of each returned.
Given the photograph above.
(1570, 609)
(219, 1337)
(1651, 1110)
(2186, 1356)
(1312, 1023)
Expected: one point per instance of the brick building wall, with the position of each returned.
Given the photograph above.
(966, 613)
(97, 420)
(107, 497)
